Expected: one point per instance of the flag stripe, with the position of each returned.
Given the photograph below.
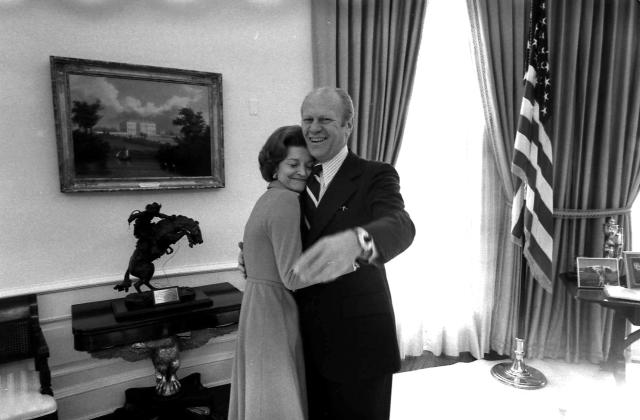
(532, 133)
(537, 270)
(517, 215)
(536, 249)
(534, 224)
(544, 142)
(544, 194)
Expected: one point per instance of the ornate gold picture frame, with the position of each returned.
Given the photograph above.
(133, 127)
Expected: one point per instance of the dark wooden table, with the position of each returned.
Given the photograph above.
(95, 326)
(624, 310)
(96, 330)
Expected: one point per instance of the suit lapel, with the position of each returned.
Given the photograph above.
(341, 188)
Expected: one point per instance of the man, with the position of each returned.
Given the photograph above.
(353, 225)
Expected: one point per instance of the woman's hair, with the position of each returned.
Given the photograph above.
(275, 149)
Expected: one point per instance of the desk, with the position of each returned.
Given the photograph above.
(96, 330)
(468, 391)
(624, 310)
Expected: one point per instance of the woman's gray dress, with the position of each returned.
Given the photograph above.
(267, 380)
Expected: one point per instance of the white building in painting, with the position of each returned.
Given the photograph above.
(129, 127)
(135, 128)
(147, 128)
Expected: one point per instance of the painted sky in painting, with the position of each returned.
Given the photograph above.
(139, 100)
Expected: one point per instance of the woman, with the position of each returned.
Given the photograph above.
(267, 381)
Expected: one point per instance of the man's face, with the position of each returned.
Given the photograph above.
(325, 132)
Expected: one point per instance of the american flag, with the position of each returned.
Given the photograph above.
(532, 212)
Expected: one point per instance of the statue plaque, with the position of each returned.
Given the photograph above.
(166, 295)
(145, 305)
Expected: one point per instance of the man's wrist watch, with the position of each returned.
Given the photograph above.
(366, 244)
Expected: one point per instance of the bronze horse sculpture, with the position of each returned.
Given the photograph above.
(155, 240)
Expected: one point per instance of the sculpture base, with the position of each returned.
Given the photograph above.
(145, 300)
(140, 305)
(194, 401)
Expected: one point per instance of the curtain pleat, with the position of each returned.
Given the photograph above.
(499, 39)
(594, 47)
(370, 48)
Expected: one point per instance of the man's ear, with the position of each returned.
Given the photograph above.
(349, 125)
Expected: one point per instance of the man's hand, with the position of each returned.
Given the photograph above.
(329, 258)
(241, 266)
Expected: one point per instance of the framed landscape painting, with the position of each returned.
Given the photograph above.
(134, 127)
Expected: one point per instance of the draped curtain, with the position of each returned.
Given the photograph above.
(369, 48)
(499, 41)
(594, 47)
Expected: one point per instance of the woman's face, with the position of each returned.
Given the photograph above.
(295, 168)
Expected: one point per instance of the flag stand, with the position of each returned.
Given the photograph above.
(532, 163)
(517, 373)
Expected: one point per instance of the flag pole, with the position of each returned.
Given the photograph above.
(517, 373)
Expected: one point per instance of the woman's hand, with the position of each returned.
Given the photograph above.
(241, 266)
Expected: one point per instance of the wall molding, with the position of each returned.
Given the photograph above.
(88, 282)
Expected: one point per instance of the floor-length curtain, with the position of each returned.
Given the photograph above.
(369, 48)
(594, 47)
(499, 34)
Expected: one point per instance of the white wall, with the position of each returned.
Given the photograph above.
(262, 49)
(72, 248)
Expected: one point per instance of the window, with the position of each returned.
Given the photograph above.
(438, 291)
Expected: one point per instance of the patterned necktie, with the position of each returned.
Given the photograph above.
(313, 184)
(312, 196)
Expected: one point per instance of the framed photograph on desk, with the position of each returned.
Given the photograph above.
(632, 269)
(594, 273)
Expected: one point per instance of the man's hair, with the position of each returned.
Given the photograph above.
(275, 149)
(347, 104)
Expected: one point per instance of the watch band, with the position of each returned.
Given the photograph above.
(366, 244)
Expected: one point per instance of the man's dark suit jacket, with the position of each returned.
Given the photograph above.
(348, 325)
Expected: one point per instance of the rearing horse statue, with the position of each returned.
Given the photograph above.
(155, 240)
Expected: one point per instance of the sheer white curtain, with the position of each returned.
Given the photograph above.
(442, 297)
